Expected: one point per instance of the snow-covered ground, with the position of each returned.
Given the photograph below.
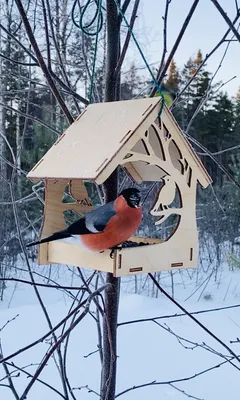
(147, 352)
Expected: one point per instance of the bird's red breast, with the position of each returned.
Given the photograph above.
(119, 228)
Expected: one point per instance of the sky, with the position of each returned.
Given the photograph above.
(204, 31)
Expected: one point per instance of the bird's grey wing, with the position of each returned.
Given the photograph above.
(97, 219)
(78, 227)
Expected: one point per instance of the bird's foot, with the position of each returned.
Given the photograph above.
(113, 249)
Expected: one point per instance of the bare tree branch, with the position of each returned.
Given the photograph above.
(19, 43)
(164, 52)
(216, 153)
(60, 340)
(185, 393)
(68, 89)
(9, 377)
(124, 9)
(136, 321)
(236, 4)
(207, 93)
(127, 39)
(203, 63)
(195, 345)
(194, 319)
(227, 19)
(153, 383)
(219, 164)
(35, 288)
(29, 375)
(87, 388)
(58, 53)
(48, 46)
(161, 73)
(18, 62)
(41, 62)
(31, 117)
(44, 284)
(42, 338)
(8, 322)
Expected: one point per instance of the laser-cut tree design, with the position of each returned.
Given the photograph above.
(159, 149)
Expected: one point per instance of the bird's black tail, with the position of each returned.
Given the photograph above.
(54, 236)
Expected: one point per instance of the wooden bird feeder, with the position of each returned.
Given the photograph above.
(127, 133)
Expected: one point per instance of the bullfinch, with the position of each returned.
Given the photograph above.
(105, 227)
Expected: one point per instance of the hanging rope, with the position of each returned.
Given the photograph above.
(89, 29)
(142, 55)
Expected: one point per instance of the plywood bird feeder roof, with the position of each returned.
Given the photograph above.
(152, 148)
(90, 149)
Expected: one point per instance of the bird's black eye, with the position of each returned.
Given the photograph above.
(134, 197)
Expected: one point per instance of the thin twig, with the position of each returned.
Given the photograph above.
(184, 393)
(136, 321)
(39, 380)
(10, 320)
(127, 39)
(194, 319)
(207, 93)
(8, 374)
(25, 64)
(60, 340)
(196, 345)
(42, 63)
(19, 43)
(227, 19)
(164, 52)
(59, 54)
(203, 63)
(46, 285)
(46, 34)
(236, 4)
(218, 163)
(42, 338)
(188, 378)
(43, 307)
(31, 117)
(161, 74)
(124, 9)
(87, 388)
(99, 329)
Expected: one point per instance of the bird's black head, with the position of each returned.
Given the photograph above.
(132, 197)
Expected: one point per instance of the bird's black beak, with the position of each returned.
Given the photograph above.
(135, 200)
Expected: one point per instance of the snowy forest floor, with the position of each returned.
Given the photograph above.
(159, 354)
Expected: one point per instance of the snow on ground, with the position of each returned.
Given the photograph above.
(146, 351)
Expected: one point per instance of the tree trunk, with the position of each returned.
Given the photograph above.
(109, 366)
(2, 115)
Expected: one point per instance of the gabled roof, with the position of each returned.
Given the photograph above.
(89, 149)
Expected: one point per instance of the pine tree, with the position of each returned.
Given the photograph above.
(217, 133)
(173, 79)
(237, 114)
(198, 86)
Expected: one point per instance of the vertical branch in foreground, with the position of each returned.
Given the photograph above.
(109, 366)
(2, 124)
(42, 63)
